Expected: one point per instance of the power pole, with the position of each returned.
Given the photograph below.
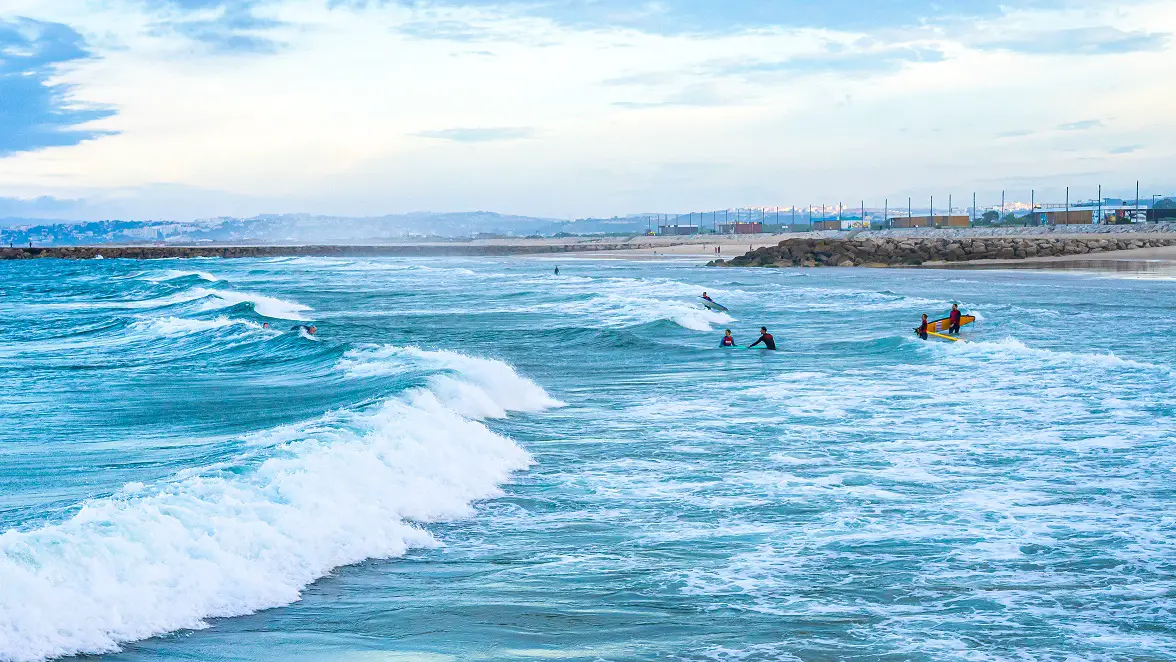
(1100, 216)
(1067, 205)
(1033, 204)
(1002, 206)
(972, 221)
(931, 218)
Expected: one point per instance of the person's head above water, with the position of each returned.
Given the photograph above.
(728, 332)
(763, 329)
(311, 329)
(924, 317)
(955, 306)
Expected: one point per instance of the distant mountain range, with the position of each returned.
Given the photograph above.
(307, 229)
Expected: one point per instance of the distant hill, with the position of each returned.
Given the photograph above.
(307, 228)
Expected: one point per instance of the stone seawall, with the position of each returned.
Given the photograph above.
(915, 251)
(402, 250)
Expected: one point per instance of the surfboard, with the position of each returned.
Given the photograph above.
(711, 305)
(945, 337)
(945, 323)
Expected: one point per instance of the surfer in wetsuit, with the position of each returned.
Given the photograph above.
(954, 319)
(728, 340)
(310, 330)
(765, 338)
(922, 330)
(707, 297)
(557, 271)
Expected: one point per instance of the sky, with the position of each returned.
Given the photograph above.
(185, 109)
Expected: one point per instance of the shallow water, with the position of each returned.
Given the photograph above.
(475, 459)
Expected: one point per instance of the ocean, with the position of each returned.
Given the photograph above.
(476, 459)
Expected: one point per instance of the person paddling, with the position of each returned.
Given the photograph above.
(922, 330)
(765, 338)
(707, 297)
(728, 340)
(954, 319)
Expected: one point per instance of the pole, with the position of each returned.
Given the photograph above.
(1033, 204)
(864, 224)
(931, 218)
(1100, 216)
(1067, 205)
(972, 220)
(1136, 200)
(886, 213)
(1002, 206)
(910, 212)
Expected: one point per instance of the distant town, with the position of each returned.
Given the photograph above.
(305, 228)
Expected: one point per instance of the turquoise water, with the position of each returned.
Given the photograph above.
(478, 460)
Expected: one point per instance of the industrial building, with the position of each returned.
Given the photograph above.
(741, 228)
(937, 221)
(1064, 217)
(677, 230)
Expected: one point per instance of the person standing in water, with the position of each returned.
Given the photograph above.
(765, 338)
(557, 270)
(922, 330)
(728, 340)
(707, 297)
(954, 319)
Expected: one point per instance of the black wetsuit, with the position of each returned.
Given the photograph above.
(955, 322)
(922, 330)
(768, 341)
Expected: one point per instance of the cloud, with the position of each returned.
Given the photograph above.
(1075, 41)
(36, 112)
(481, 134)
(1018, 133)
(711, 17)
(15, 209)
(1081, 125)
(702, 95)
(1126, 149)
(838, 61)
(221, 25)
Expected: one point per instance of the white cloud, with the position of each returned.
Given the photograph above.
(344, 116)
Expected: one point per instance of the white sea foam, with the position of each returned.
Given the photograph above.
(1012, 347)
(223, 541)
(179, 326)
(474, 387)
(264, 305)
(174, 274)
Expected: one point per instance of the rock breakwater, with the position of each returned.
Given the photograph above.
(400, 250)
(916, 251)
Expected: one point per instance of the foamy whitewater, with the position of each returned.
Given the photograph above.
(475, 459)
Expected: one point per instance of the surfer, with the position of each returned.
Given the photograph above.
(310, 330)
(922, 330)
(765, 338)
(728, 340)
(954, 319)
(707, 297)
(557, 271)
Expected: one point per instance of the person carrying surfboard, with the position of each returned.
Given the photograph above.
(707, 297)
(728, 340)
(922, 330)
(765, 338)
(954, 320)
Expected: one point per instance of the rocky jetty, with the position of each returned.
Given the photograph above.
(916, 251)
(399, 250)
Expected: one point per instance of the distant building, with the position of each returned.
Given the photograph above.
(937, 221)
(741, 228)
(677, 230)
(826, 225)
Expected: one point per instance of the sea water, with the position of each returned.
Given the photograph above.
(476, 459)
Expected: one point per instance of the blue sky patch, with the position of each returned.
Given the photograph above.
(35, 112)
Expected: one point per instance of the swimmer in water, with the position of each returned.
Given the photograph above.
(310, 330)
